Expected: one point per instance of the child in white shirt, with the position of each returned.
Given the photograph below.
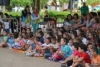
(45, 47)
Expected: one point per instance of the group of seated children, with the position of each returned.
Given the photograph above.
(75, 45)
(70, 50)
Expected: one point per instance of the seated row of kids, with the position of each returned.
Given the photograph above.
(74, 48)
(76, 43)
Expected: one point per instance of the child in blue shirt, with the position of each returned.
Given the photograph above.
(5, 38)
(10, 41)
(65, 51)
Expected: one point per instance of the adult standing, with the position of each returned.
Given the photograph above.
(26, 17)
(84, 9)
(12, 24)
(34, 17)
(45, 14)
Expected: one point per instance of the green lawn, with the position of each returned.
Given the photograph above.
(14, 13)
(59, 15)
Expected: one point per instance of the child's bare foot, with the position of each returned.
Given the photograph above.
(23, 49)
(19, 48)
(63, 62)
(41, 55)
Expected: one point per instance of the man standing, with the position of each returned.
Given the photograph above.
(84, 9)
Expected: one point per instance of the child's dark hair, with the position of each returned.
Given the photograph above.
(98, 42)
(29, 29)
(97, 19)
(49, 39)
(89, 44)
(39, 29)
(21, 35)
(51, 34)
(53, 38)
(76, 45)
(5, 31)
(84, 15)
(58, 38)
(94, 14)
(16, 34)
(82, 35)
(45, 7)
(37, 38)
(81, 30)
(23, 29)
(63, 29)
(79, 40)
(41, 33)
(99, 14)
(50, 30)
(65, 40)
(26, 37)
(76, 15)
(30, 35)
(74, 33)
(94, 49)
(83, 47)
(68, 16)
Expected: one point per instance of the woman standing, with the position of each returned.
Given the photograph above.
(26, 17)
(34, 17)
(45, 14)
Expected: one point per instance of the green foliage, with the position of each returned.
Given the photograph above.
(9, 8)
(14, 13)
(20, 2)
(43, 3)
(60, 15)
(64, 1)
(90, 2)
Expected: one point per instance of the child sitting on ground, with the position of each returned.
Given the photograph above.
(10, 41)
(41, 35)
(54, 46)
(19, 42)
(64, 52)
(37, 50)
(45, 48)
(28, 31)
(5, 38)
(89, 46)
(82, 57)
(27, 42)
(69, 60)
(95, 58)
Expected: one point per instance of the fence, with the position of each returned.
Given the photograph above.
(13, 24)
(42, 23)
(18, 25)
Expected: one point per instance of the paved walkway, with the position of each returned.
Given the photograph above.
(9, 58)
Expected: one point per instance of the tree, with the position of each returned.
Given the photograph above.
(20, 2)
(63, 1)
(90, 2)
(37, 5)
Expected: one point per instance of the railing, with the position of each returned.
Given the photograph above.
(40, 21)
(13, 20)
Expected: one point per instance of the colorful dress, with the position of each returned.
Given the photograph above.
(35, 25)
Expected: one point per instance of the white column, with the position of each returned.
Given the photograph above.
(71, 5)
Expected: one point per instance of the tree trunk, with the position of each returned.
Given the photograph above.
(37, 5)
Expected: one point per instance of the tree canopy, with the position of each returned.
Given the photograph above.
(20, 2)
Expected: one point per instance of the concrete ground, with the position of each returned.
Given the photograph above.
(9, 58)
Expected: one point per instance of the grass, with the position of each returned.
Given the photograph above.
(14, 13)
(59, 15)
